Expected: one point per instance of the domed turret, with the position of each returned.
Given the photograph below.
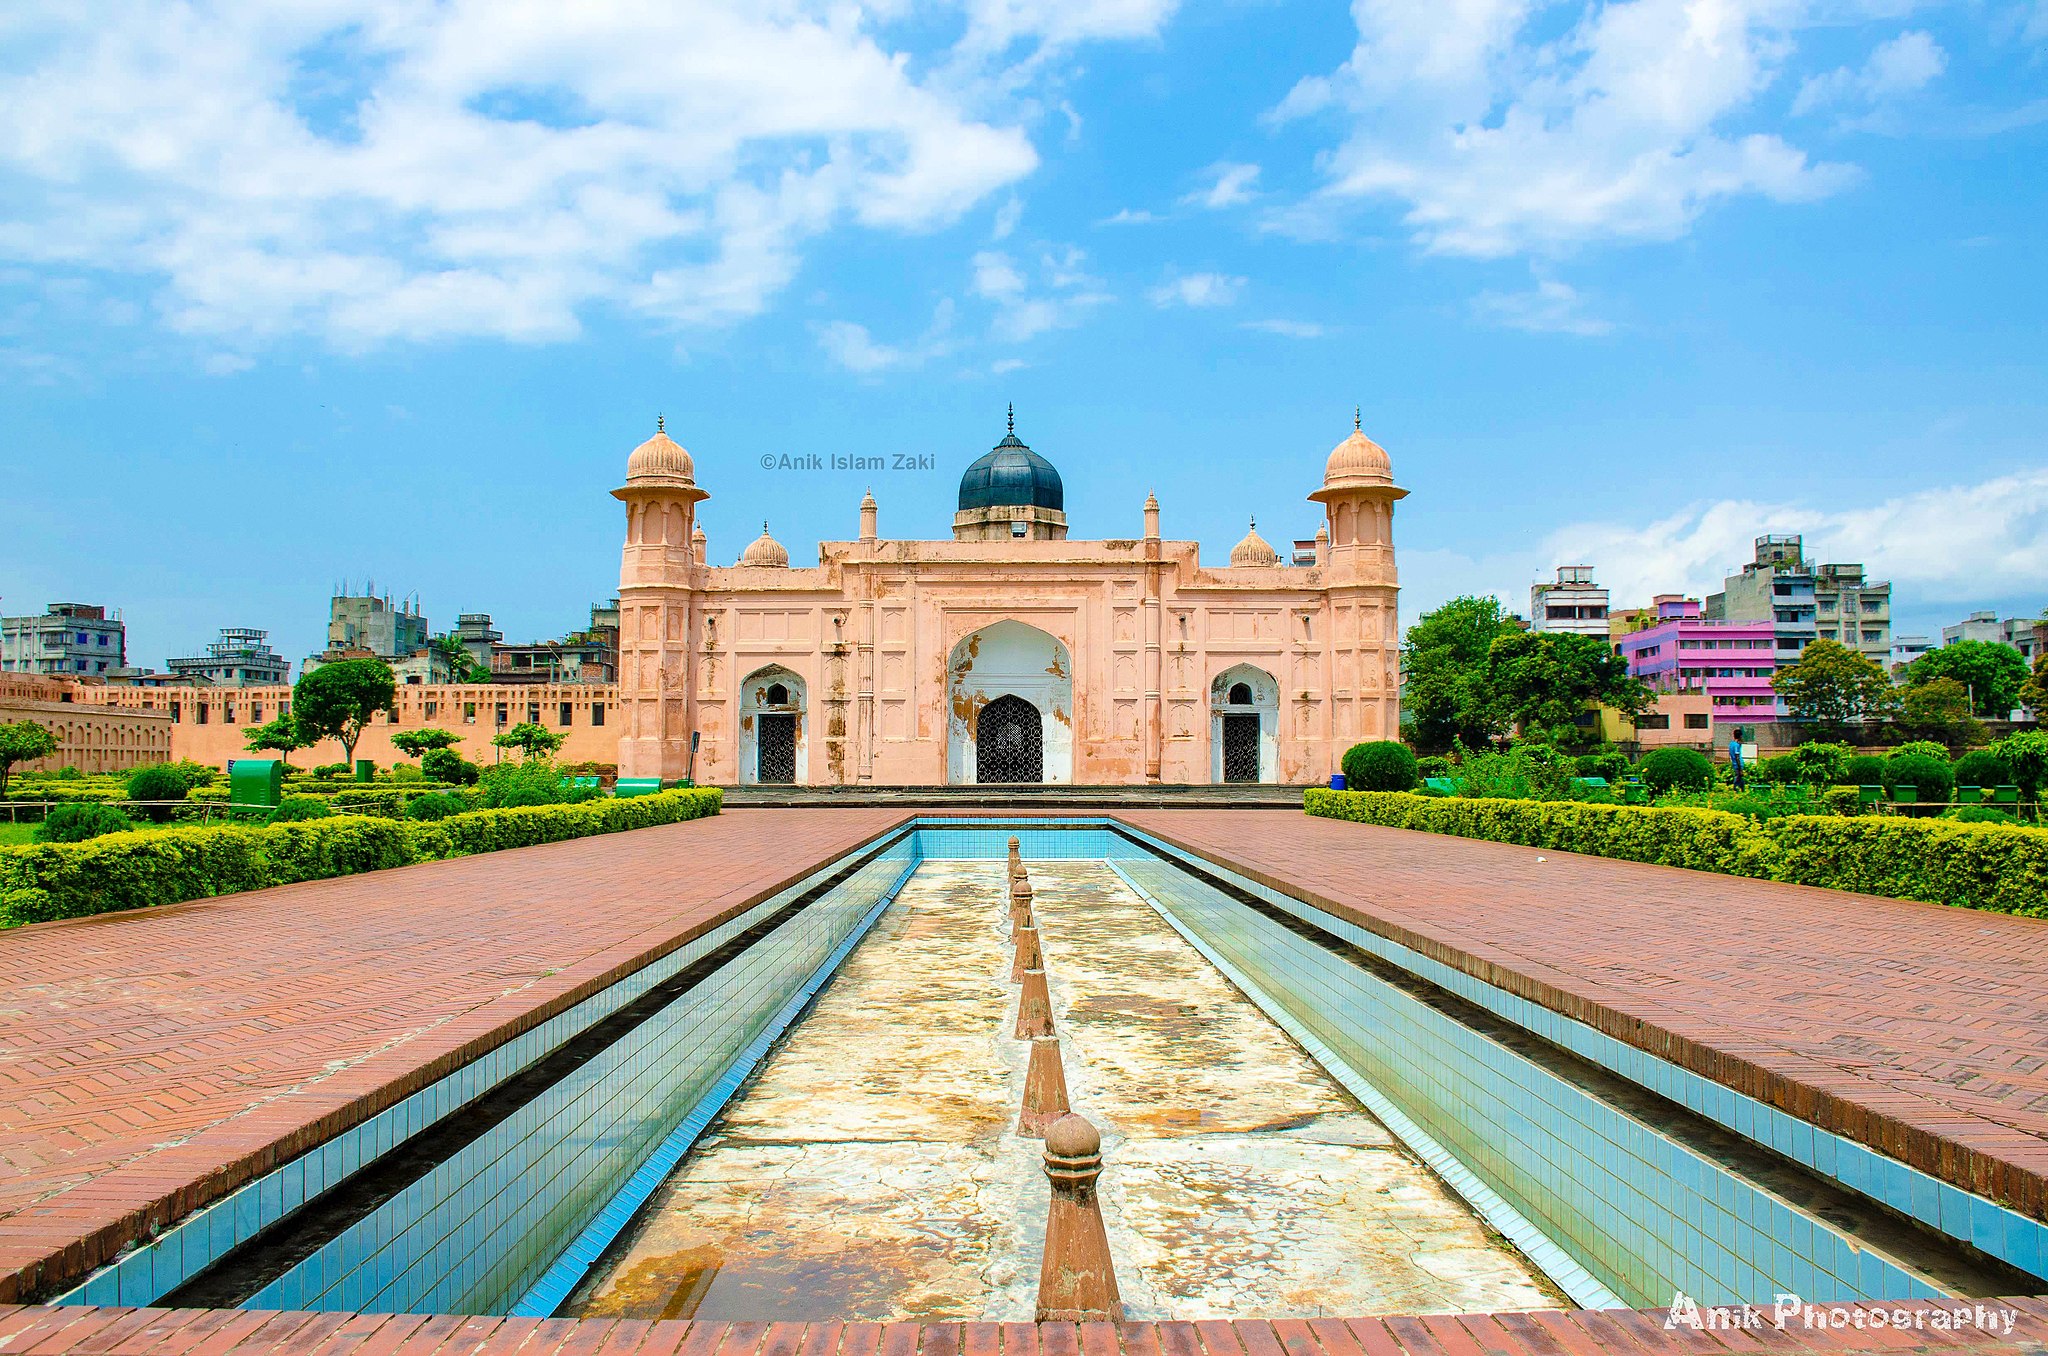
(1254, 549)
(660, 460)
(1011, 492)
(765, 550)
(1357, 461)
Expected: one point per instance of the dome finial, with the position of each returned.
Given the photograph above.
(661, 423)
(1358, 419)
(1013, 416)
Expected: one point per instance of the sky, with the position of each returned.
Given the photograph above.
(292, 296)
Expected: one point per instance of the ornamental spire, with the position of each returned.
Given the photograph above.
(1013, 416)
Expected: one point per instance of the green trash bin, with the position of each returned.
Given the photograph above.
(254, 784)
(1969, 795)
(1906, 795)
(2005, 795)
(366, 770)
(636, 786)
(1869, 794)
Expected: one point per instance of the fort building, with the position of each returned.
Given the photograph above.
(1009, 652)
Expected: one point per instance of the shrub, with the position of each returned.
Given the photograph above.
(1382, 765)
(1777, 770)
(531, 781)
(1677, 769)
(77, 822)
(446, 765)
(1435, 765)
(1609, 763)
(130, 870)
(1863, 769)
(1931, 778)
(293, 808)
(406, 772)
(158, 782)
(1819, 764)
(1923, 747)
(1983, 866)
(1982, 768)
(1977, 814)
(332, 770)
(2026, 753)
(1843, 800)
(435, 805)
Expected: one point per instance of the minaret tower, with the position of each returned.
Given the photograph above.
(658, 579)
(1357, 496)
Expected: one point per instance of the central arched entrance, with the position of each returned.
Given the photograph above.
(1244, 726)
(999, 681)
(772, 744)
(1008, 745)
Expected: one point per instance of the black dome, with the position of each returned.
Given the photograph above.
(1011, 475)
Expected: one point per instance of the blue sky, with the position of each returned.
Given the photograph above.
(389, 290)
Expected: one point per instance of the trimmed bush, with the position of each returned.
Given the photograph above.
(1382, 765)
(158, 782)
(293, 808)
(532, 781)
(1676, 770)
(1982, 768)
(78, 822)
(1978, 814)
(338, 770)
(1981, 866)
(166, 866)
(1609, 763)
(1819, 764)
(446, 765)
(1931, 778)
(1863, 769)
(435, 805)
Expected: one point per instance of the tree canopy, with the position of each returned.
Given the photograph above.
(417, 743)
(335, 701)
(23, 741)
(1939, 709)
(281, 736)
(1445, 687)
(2034, 692)
(1830, 685)
(530, 738)
(1993, 673)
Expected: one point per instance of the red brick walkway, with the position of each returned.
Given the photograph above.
(1917, 1029)
(151, 1061)
(1622, 1332)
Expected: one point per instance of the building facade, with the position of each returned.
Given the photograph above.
(2022, 633)
(1854, 610)
(1572, 602)
(242, 657)
(1730, 662)
(1008, 653)
(1776, 587)
(67, 640)
(93, 733)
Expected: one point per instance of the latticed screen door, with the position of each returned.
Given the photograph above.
(1240, 748)
(775, 749)
(1008, 743)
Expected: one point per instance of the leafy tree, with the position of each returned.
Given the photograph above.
(1830, 685)
(531, 739)
(1930, 775)
(335, 701)
(23, 741)
(281, 736)
(1380, 765)
(1992, 673)
(2026, 753)
(446, 765)
(2034, 692)
(417, 743)
(1542, 681)
(1446, 689)
(1939, 709)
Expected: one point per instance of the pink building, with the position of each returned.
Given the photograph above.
(1731, 662)
(1007, 653)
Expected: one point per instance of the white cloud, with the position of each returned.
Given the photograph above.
(1550, 307)
(1197, 289)
(1907, 63)
(1291, 329)
(1129, 217)
(1062, 293)
(1229, 185)
(1502, 129)
(400, 169)
(852, 347)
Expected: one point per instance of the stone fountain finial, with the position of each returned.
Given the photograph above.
(1077, 1281)
(1028, 957)
(1045, 1087)
(1034, 1007)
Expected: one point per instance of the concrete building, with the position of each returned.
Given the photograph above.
(478, 638)
(1854, 610)
(1572, 602)
(1905, 649)
(1730, 662)
(68, 639)
(2022, 633)
(1776, 587)
(1008, 653)
(587, 656)
(242, 657)
(373, 624)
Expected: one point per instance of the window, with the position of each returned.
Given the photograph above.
(103, 642)
(84, 639)
(469, 713)
(1240, 694)
(563, 716)
(503, 710)
(1585, 719)
(176, 713)
(533, 713)
(432, 707)
(202, 713)
(1654, 722)
(1694, 721)
(778, 695)
(227, 713)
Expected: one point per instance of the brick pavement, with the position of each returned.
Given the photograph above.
(151, 1061)
(1609, 1332)
(1918, 1029)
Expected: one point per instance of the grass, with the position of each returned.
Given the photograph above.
(11, 834)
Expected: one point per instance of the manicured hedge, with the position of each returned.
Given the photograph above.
(1980, 866)
(167, 866)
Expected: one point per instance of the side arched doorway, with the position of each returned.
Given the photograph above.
(1005, 683)
(772, 738)
(1244, 726)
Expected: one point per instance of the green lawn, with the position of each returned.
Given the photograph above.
(11, 834)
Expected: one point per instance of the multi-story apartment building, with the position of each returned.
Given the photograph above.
(1776, 587)
(1854, 610)
(242, 657)
(1906, 649)
(67, 640)
(1686, 652)
(476, 635)
(376, 624)
(2022, 633)
(1572, 602)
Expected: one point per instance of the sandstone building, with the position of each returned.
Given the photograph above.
(1009, 653)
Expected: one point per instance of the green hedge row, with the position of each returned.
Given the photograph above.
(1999, 867)
(167, 866)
